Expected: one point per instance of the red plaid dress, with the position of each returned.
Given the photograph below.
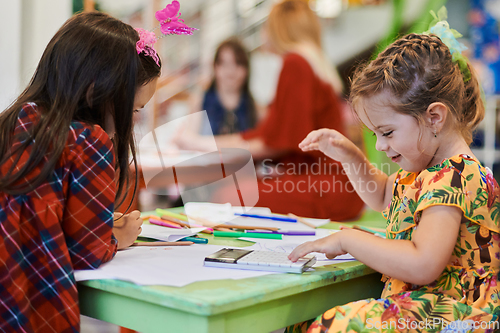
(64, 224)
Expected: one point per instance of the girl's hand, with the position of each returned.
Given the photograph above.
(127, 228)
(329, 245)
(331, 143)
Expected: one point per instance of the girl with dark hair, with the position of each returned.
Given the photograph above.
(60, 143)
(228, 102)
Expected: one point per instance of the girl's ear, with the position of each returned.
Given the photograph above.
(435, 116)
(90, 94)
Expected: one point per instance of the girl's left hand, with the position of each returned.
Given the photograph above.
(330, 246)
(127, 228)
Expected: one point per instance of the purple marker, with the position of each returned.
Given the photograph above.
(288, 233)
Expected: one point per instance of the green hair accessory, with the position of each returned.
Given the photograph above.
(441, 28)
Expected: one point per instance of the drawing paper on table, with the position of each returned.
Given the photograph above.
(289, 243)
(167, 234)
(170, 266)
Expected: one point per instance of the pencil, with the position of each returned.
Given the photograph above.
(182, 224)
(147, 217)
(370, 231)
(162, 244)
(174, 220)
(301, 220)
(202, 221)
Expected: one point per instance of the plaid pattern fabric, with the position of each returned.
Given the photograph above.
(64, 224)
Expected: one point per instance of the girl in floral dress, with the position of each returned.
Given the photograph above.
(441, 256)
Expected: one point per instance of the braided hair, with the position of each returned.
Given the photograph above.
(418, 70)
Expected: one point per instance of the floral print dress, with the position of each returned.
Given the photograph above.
(465, 297)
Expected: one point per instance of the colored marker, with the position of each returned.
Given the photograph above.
(161, 212)
(165, 224)
(162, 244)
(289, 232)
(274, 218)
(218, 233)
(196, 240)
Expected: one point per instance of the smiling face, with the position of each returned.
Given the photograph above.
(229, 75)
(411, 145)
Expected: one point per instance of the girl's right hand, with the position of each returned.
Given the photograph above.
(127, 228)
(330, 245)
(331, 143)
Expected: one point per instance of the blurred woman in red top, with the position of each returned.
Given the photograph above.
(305, 184)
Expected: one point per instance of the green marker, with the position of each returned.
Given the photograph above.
(196, 240)
(218, 233)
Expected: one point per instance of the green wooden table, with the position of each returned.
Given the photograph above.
(260, 304)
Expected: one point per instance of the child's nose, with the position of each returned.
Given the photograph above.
(381, 144)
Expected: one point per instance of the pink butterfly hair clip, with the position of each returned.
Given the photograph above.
(170, 24)
(170, 21)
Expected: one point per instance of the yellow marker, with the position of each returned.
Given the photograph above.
(162, 212)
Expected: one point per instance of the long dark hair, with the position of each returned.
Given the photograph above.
(242, 59)
(89, 69)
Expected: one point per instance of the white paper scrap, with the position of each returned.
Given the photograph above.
(316, 222)
(167, 234)
(220, 213)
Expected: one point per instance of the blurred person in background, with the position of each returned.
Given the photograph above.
(307, 98)
(228, 102)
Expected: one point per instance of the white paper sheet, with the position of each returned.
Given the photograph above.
(316, 222)
(288, 243)
(172, 266)
(220, 213)
(167, 234)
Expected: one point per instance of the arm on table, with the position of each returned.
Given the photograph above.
(88, 216)
(419, 261)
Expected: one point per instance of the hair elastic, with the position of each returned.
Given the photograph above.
(441, 28)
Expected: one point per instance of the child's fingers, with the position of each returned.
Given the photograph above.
(136, 223)
(302, 250)
(135, 214)
(311, 146)
(335, 142)
(311, 138)
(118, 221)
